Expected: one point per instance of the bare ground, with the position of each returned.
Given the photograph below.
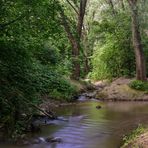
(119, 90)
(140, 141)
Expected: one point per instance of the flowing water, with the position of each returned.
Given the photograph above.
(89, 127)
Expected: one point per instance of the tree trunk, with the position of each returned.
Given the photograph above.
(85, 51)
(80, 27)
(75, 61)
(81, 17)
(75, 47)
(75, 41)
(139, 54)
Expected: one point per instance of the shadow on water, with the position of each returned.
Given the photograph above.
(89, 127)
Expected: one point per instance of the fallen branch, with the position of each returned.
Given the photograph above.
(50, 115)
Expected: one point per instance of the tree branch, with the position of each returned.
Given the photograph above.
(73, 7)
(49, 115)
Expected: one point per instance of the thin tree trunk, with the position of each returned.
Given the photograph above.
(80, 27)
(85, 52)
(73, 7)
(139, 54)
(81, 17)
(75, 61)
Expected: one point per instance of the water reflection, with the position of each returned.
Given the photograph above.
(88, 127)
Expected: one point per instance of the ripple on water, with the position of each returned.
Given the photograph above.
(88, 127)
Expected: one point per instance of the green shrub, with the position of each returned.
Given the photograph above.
(112, 60)
(23, 81)
(139, 85)
(113, 54)
(48, 81)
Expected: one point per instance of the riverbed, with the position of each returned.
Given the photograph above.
(85, 126)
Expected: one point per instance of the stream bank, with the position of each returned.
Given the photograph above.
(102, 120)
(119, 90)
(137, 139)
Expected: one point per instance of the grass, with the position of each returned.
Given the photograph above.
(129, 139)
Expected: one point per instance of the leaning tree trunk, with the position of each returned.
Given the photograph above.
(74, 45)
(75, 40)
(139, 54)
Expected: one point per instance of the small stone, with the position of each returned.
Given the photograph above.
(41, 139)
(98, 107)
(53, 139)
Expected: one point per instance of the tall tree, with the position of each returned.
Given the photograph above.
(75, 40)
(139, 54)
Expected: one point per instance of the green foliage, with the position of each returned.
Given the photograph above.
(139, 85)
(113, 55)
(63, 88)
(48, 81)
(49, 54)
(24, 78)
(15, 84)
(30, 66)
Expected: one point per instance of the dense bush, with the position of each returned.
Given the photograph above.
(15, 83)
(23, 81)
(22, 85)
(48, 81)
(139, 85)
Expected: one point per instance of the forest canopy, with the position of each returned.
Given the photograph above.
(46, 43)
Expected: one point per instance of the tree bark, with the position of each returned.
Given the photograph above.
(139, 54)
(81, 17)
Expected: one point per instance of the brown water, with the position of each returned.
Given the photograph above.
(89, 127)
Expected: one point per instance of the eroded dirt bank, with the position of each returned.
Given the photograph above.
(119, 90)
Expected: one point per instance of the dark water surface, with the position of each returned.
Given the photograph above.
(88, 127)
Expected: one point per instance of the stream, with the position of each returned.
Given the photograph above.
(85, 126)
